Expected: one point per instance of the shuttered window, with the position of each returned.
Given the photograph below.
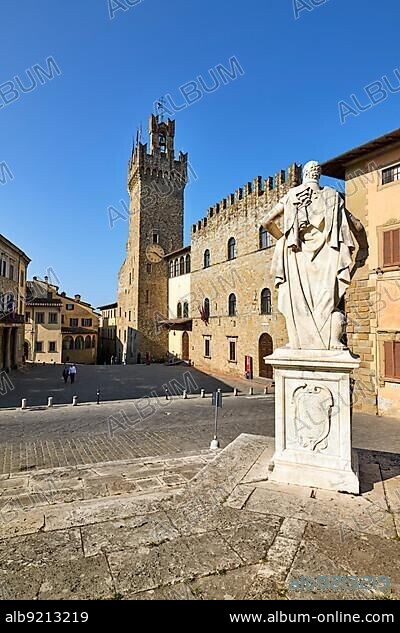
(392, 359)
(391, 247)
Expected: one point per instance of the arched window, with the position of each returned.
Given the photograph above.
(185, 310)
(10, 303)
(171, 268)
(68, 342)
(207, 309)
(79, 343)
(266, 304)
(187, 263)
(264, 238)
(162, 142)
(179, 310)
(88, 342)
(232, 248)
(232, 305)
(182, 266)
(176, 267)
(207, 258)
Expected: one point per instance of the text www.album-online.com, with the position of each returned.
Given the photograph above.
(296, 618)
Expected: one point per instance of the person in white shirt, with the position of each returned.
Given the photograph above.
(72, 373)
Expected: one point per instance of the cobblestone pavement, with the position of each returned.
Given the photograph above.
(87, 434)
(199, 528)
(68, 436)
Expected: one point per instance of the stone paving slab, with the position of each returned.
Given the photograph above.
(215, 537)
(324, 551)
(353, 513)
(174, 561)
(128, 534)
(87, 579)
(231, 585)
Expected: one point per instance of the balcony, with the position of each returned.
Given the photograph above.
(11, 318)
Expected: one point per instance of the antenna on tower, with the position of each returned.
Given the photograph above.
(161, 108)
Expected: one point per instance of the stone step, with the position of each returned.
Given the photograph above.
(136, 477)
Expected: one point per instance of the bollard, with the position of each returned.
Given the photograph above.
(236, 391)
(50, 401)
(75, 401)
(266, 391)
(23, 403)
(166, 393)
(203, 393)
(98, 396)
(184, 395)
(251, 391)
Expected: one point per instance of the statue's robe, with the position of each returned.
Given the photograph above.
(312, 263)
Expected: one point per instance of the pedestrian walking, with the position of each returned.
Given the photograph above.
(72, 374)
(65, 374)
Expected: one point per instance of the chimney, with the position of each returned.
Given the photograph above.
(63, 294)
(34, 278)
(77, 298)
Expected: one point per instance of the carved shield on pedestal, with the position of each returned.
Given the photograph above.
(313, 406)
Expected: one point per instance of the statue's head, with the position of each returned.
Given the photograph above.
(312, 171)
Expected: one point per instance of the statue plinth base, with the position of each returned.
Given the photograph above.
(313, 419)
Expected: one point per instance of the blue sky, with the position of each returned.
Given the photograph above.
(67, 142)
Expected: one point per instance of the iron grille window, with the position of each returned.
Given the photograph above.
(266, 305)
(391, 174)
(232, 305)
(232, 248)
(264, 238)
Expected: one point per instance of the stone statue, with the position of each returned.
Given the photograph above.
(313, 260)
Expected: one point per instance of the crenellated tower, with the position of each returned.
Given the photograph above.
(156, 184)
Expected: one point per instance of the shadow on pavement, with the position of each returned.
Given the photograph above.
(116, 382)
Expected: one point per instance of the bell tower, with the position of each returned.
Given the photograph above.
(156, 184)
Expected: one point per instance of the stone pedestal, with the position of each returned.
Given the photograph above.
(313, 419)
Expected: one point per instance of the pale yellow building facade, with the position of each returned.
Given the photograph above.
(178, 321)
(372, 180)
(59, 329)
(109, 346)
(13, 270)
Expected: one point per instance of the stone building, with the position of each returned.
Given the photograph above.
(59, 329)
(13, 270)
(179, 322)
(156, 183)
(372, 184)
(108, 343)
(43, 340)
(233, 301)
